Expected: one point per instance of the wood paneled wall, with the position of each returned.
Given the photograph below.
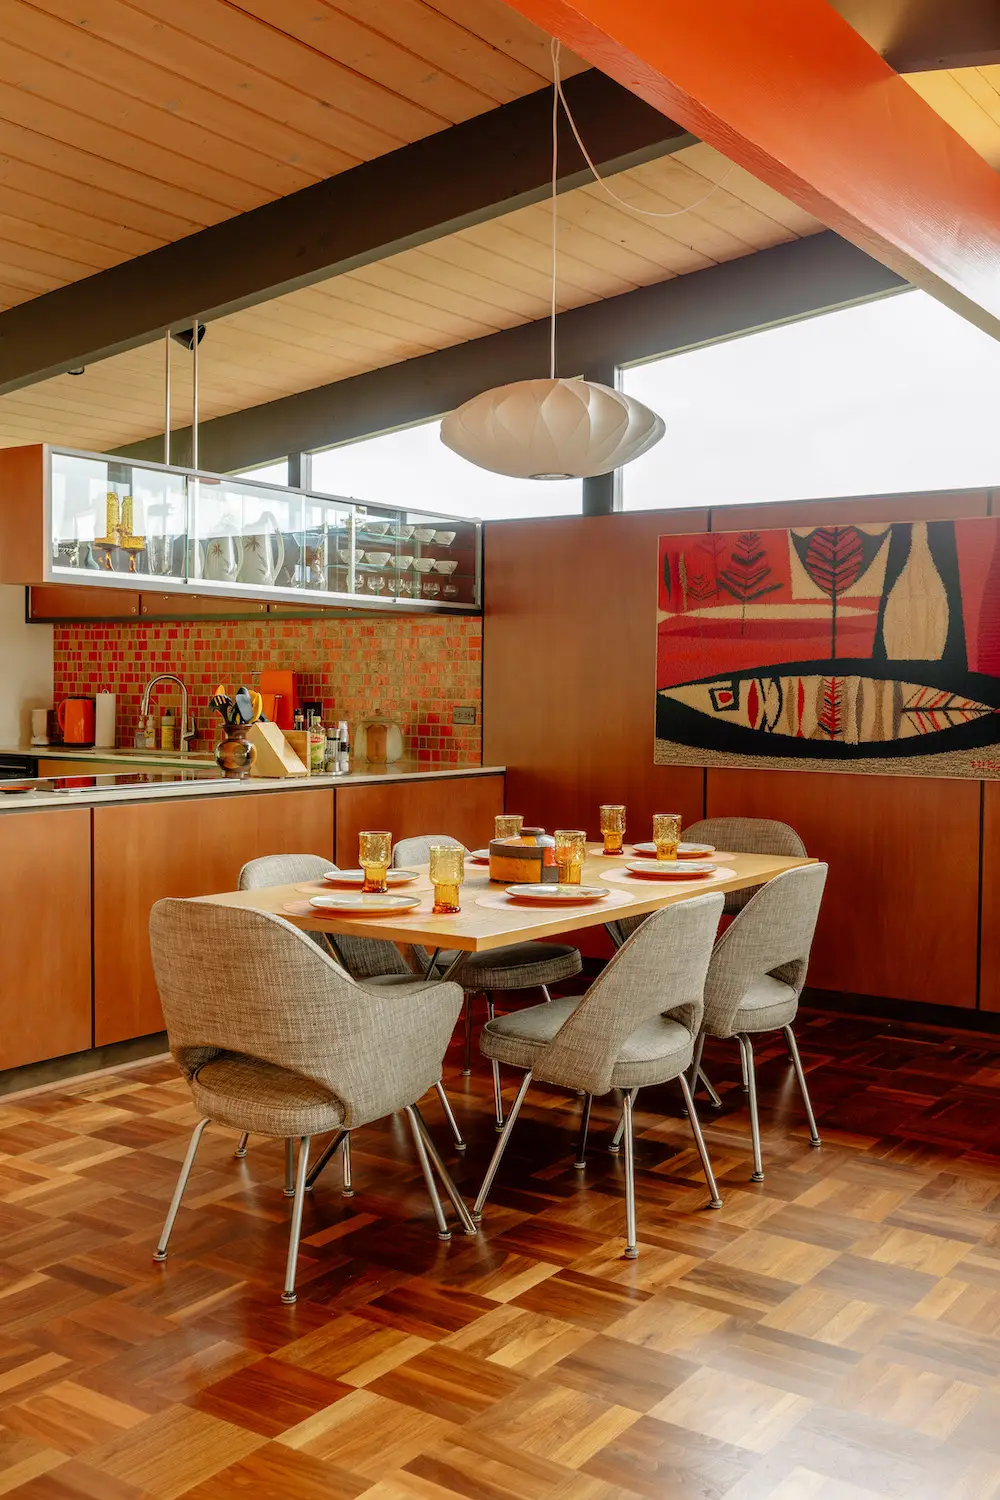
(568, 705)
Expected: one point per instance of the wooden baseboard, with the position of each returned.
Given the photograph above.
(56, 1071)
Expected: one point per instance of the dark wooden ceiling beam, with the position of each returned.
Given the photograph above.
(478, 170)
(781, 285)
(917, 36)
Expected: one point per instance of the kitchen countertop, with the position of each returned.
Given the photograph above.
(201, 779)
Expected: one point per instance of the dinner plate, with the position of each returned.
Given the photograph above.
(684, 851)
(363, 903)
(357, 877)
(480, 856)
(671, 869)
(565, 895)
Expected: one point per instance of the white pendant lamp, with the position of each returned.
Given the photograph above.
(552, 429)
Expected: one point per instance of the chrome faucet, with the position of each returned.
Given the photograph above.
(189, 729)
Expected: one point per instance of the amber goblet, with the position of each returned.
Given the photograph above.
(374, 853)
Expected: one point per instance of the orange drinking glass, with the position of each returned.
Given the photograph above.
(613, 826)
(571, 850)
(507, 825)
(447, 874)
(666, 834)
(374, 853)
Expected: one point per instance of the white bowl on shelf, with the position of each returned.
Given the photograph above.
(423, 533)
(404, 561)
(375, 528)
(445, 565)
(344, 556)
(404, 533)
(378, 559)
(423, 564)
(444, 538)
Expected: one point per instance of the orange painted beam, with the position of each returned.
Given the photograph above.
(790, 91)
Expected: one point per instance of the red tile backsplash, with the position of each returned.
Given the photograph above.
(412, 670)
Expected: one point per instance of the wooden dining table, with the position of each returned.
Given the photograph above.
(479, 927)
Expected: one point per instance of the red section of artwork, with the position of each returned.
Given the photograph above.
(691, 647)
(743, 567)
(979, 571)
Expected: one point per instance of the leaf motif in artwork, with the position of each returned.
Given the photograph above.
(745, 575)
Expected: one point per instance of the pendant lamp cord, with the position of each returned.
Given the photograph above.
(556, 97)
(647, 213)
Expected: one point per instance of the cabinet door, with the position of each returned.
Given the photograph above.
(194, 846)
(462, 806)
(199, 606)
(66, 601)
(45, 992)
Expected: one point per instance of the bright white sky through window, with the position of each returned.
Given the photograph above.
(414, 468)
(895, 395)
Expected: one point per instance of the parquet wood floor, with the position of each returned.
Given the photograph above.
(831, 1334)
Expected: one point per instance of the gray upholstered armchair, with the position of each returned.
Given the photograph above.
(636, 1025)
(275, 1038)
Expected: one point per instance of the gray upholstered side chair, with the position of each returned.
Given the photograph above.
(636, 1025)
(733, 836)
(518, 966)
(756, 976)
(369, 960)
(274, 1038)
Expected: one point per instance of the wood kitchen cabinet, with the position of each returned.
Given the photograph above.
(462, 806)
(45, 987)
(144, 851)
(66, 601)
(190, 606)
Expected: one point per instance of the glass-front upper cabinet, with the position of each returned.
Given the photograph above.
(114, 522)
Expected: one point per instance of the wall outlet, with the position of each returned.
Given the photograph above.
(465, 714)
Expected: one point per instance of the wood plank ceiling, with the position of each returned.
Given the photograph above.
(472, 283)
(124, 126)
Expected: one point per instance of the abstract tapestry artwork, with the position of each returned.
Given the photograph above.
(871, 647)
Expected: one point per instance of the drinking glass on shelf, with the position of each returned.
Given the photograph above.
(374, 852)
(447, 874)
(613, 826)
(571, 850)
(431, 589)
(507, 825)
(450, 591)
(666, 834)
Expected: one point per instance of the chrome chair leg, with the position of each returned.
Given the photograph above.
(295, 1232)
(631, 1248)
(706, 1084)
(289, 1188)
(581, 1147)
(497, 1088)
(793, 1052)
(327, 1154)
(160, 1253)
(497, 1097)
(616, 1139)
(449, 1115)
(746, 1048)
(241, 1149)
(468, 1035)
(706, 1166)
(444, 1233)
(345, 1152)
(745, 1084)
(545, 991)
(458, 1202)
(501, 1146)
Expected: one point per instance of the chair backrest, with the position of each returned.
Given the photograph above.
(660, 970)
(237, 981)
(416, 851)
(772, 935)
(366, 958)
(746, 836)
